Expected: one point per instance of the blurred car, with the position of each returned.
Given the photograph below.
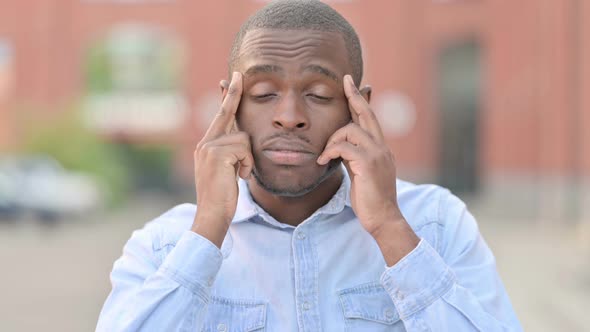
(39, 184)
(9, 208)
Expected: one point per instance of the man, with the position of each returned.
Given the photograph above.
(317, 235)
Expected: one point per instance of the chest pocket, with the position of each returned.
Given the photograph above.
(369, 308)
(229, 315)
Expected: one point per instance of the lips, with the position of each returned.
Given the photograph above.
(288, 152)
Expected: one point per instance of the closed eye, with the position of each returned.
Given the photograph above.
(264, 97)
(318, 97)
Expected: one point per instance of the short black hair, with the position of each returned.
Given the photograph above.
(302, 15)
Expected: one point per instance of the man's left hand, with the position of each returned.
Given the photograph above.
(371, 167)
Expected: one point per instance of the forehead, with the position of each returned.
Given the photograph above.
(294, 49)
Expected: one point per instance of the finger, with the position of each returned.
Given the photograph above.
(234, 127)
(240, 139)
(353, 115)
(353, 134)
(344, 150)
(224, 85)
(358, 106)
(246, 166)
(233, 155)
(224, 119)
(233, 97)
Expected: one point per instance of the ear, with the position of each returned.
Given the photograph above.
(366, 93)
(224, 85)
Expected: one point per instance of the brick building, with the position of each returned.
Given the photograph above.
(482, 96)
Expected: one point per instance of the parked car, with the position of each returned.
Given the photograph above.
(9, 208)
(39, 184)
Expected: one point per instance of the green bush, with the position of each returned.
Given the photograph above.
(66, 139)
(119, 167)
(150, 165)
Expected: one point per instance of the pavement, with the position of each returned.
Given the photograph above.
(55, 278)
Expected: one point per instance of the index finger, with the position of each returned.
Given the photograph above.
(224, 119)
(359, 109)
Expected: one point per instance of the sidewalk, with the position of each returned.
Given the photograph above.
(546, 270)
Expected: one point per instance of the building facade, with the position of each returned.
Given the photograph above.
(483, 96)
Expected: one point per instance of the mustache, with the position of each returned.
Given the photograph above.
(288, 141)
(287, 136)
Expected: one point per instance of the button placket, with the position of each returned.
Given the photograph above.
(306, 279)
(305, 306)
(301, 235)
(399, 295)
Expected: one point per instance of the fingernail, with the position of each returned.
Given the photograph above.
(320, 160)
(235, 75)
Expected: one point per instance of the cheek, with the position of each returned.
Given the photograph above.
(249, 117)
(335, 118)
(328, 127)
(341, 114)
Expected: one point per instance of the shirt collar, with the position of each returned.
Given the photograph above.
(247, 208)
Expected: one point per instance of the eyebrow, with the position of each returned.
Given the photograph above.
(322, 70)
(258, 69)
(261, 69)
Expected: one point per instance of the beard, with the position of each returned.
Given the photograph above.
(294, 188)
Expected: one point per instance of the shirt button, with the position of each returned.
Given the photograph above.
(221, 327)
(305, 306)
(210, 281)
(389, 313)
(300, 235)
(400, 295)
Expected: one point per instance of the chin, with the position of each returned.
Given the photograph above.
(291, 181)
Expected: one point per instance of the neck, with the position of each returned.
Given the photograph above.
(294, 210)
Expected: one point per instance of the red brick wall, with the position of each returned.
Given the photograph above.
(526, 116)
(584, 124)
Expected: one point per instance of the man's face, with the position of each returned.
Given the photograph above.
(293, 101)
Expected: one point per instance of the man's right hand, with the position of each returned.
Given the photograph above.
(220, 155)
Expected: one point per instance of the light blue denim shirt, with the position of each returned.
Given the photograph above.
(327, 274)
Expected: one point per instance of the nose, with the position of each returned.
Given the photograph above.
(291, 114)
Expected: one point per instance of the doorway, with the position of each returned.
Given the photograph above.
(459, 84)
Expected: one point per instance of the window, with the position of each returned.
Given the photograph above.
(134, 82)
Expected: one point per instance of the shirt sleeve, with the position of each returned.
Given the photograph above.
(456, 289)
(170, 296)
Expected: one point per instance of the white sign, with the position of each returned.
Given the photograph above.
(135, 113)
(396, 113)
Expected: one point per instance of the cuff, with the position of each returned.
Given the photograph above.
(193, 263)
(417, 280)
